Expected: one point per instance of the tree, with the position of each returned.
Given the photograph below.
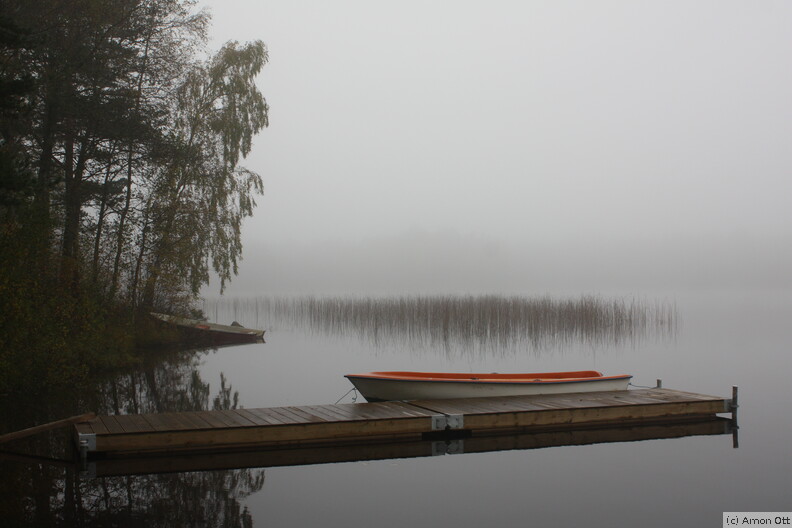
(120, 184)
(197, 203)
(16, 87)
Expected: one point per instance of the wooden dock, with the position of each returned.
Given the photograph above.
(355, 423)
(268, 457)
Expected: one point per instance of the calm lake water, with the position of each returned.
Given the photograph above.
(717, 340)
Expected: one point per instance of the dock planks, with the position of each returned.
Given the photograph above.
(267, 457)
(346, 424)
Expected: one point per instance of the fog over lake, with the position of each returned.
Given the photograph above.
(518, 146)
(477, 187)
(565, 148)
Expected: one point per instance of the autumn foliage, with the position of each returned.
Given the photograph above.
(120, 184)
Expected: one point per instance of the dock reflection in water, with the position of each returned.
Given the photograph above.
(462, 444)
(41, 487)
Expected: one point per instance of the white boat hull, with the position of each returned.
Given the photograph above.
(388, 390)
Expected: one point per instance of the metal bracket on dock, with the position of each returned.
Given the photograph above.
(86, 442)
(445, 422)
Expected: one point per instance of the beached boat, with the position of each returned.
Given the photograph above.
(385, 386)
(195, 331)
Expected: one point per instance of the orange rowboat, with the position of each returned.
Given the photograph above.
(386, 386)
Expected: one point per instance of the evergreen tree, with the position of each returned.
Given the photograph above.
(120, 183)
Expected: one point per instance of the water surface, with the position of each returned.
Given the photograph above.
(716, 341)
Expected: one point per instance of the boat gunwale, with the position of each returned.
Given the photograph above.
(380, 376)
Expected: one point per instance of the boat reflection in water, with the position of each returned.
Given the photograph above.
(442, 444)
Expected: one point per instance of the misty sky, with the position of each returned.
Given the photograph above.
(518, 146)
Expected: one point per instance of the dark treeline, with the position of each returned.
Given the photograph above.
(120, 184)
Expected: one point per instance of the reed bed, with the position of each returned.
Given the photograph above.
(489, 321)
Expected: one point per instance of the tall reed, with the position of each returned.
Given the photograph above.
(488, 321)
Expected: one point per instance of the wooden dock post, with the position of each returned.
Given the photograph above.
(733, 405)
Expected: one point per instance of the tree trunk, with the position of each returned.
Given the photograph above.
(42, 197)
(121, 228)
(128, 198)
(139, 265)
(73, 178)
(71, 223)
(150, 287)
(100, 224)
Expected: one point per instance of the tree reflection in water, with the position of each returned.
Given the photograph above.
(50, 492)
